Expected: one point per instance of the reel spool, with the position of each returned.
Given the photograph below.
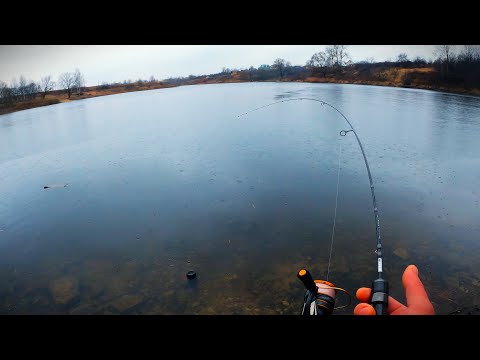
(320, 296)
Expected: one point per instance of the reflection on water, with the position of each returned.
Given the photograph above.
(166, 181)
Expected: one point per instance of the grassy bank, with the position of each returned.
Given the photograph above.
(28, 105)
(417, 78)
(59, 96)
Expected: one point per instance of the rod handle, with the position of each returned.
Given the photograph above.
(379, 299)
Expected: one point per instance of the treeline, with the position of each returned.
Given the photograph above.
(129, 84)
(452, 67)
(17, 91)
(23, 90)
(459, 68)
(280, 68)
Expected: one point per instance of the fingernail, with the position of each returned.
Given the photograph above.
(414, 269)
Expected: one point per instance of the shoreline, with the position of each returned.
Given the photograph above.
(57, 96)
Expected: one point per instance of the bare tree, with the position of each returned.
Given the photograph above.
(337, 55)
(251, 71)
(3, 92)
(152, 79)
(46, 85)
(419, 61)
(78, 81)
(22, 87)
(280, 65)
(321, 61)
(67, 82)
(444, 54)
(467, 66)
(14, 88)
(7, 94)
(470, 53)
(31, 90)
(3, 86)
(331, 54)
(402, 58)
(288, 68)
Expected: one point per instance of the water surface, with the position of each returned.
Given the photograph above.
(150, 185)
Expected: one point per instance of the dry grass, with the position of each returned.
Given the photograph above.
(29, 105)
(421, 78)
(90, 92)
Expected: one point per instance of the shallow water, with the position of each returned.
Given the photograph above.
(145, 186)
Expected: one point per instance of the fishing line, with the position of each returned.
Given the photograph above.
(336, 205)
(321, 300)
(378, 250)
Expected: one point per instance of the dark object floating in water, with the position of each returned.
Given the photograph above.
(191, 275)
(55, 186)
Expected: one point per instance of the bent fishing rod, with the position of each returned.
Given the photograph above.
(320, 295)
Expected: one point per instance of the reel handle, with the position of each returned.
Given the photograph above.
(317, 300)
(307, 280)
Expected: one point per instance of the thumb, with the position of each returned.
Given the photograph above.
(417, 298)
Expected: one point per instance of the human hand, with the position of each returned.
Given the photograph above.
(417, 298)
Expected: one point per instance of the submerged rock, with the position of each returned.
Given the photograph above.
(93, 288)
(85, 309)
(64, 290)
(402, 253)
(126, 302)
(230, 277)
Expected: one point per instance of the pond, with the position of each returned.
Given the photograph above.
(106, 203)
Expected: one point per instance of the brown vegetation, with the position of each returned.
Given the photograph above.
(450, 72)
(419, 78)
(49, 100)
(60, 96)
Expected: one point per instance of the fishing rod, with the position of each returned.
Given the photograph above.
(320, 295)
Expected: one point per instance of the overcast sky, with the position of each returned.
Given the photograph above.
(113, 63)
